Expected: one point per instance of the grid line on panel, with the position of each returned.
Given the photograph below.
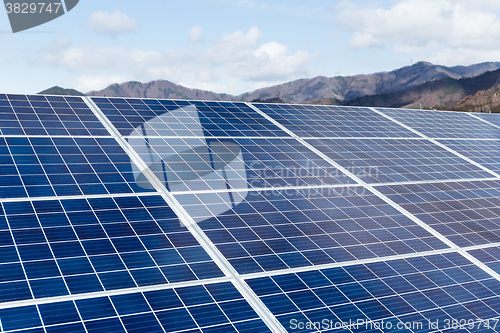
(369, 186)
(207, 307)
(273, 230)
(152, 117)
(47, 115)
(440, 144)
(48, 166)
(371, 261)
(115, 292)
(423, 289)
(465, 212)
(327, 120)
(96, 245)
(212, 164)
(347, 263)
(264, 189)
(490, 118)
(449, 124)
(382, 160)
(83, 196)
(189, 223)
(486, 153)
(55, 136)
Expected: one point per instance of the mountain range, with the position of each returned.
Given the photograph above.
(420, 85)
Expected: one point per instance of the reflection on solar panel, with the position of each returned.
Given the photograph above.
(213, 164)
(144, 215)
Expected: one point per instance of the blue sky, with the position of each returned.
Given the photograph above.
(235, 46)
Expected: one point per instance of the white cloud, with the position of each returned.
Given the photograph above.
(425, 25)
(195, 33)
(234, 47)
(234, 64)
(112, 24)
(86, 83)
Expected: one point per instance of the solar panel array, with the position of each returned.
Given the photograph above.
(145, 215)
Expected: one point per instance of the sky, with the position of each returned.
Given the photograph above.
(237, 46)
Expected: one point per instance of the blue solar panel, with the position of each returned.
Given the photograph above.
(444, 124)
(406, 295)
(60, 247)
(206, 307)
(272, 230)
(184, 164)
(397, 160)
(487, 153)
(489, 256)
(334, 121)
(492, 118)
(44, 166)
(47, 115)
(467, 213)
(151, 117)
(87, 244)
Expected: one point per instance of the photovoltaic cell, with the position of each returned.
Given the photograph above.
(272, 230)
(151, 117)
(47, 115)
(493, 118)
(397, 160)
(209, 307)
(467, 213)
(413, 291)
(220, 164)
(214, 157)
(75, 246)
(444, 124)
(489, 256)
(487, 153)
(333, 121)
(44, 166)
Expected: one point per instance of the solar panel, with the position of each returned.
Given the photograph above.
(333, 121)
(492, 118)
(47, 115)
(134, 215)
(397, 160)
(484, 152)
(61, 166)
(444, 124)
(60, 247)
(415, 295)
(489, 256)
(185, 164)
(467, 213)
(136, 117)
(217, 306)
(273, 230)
